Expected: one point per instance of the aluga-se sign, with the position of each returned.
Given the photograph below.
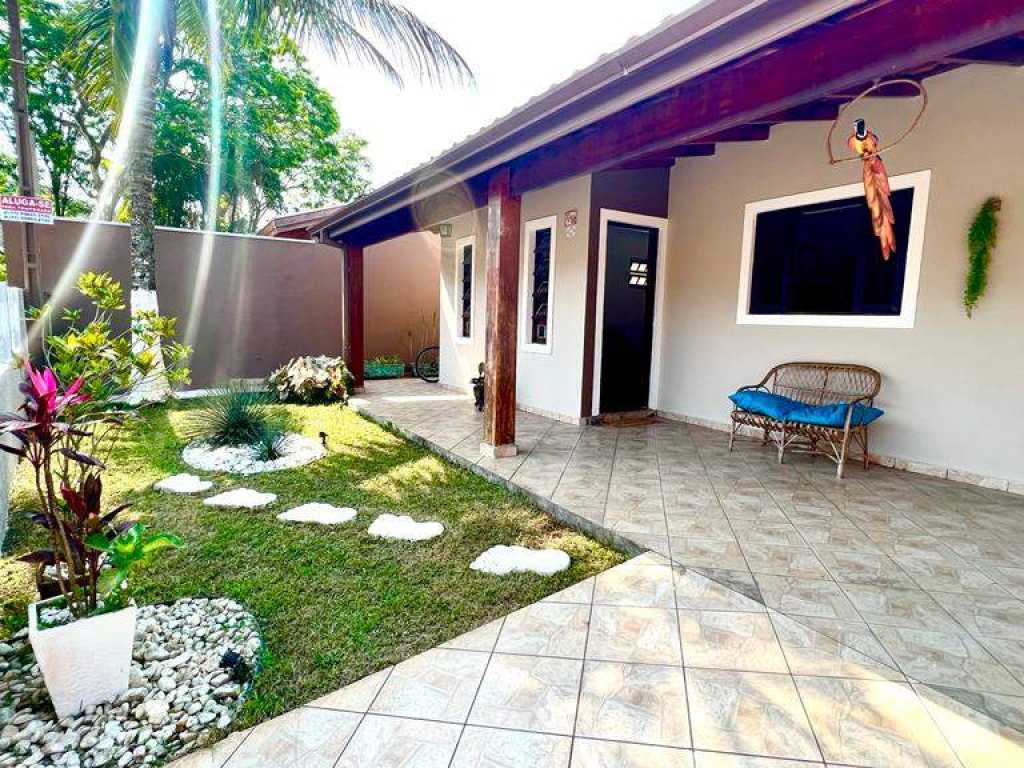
(31, 210)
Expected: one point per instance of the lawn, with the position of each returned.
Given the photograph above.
(334, 604)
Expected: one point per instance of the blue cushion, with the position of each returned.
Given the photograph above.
(834, 414)
(764, 403)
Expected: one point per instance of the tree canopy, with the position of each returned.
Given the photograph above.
(282, 144)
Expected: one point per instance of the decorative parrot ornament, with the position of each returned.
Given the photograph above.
(864, 144)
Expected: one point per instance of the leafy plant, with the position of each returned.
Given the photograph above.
(125, 551)
(104, 359)
(67, 481)
(386, 360)
(239, 415)
(981, 239)
(312, 380)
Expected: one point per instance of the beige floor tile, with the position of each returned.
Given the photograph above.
(644, 635)
(395, 742)
(912, 608)
(997, 616)
(546, 629)
(730, 640)
(214, 756)
(528, 692)
(582, 593)
(748, 712)
(493, 748)
(783, 560)
(634, 702)
(357, 696)
(480, 639)
(984, 731)
(873, 723)
(946, 658)
(832, 648)
(722, 760)
(708, 553)
(820, 598)
(302, 738)
(699, 592)
(641, 586)
(438, 685)
(589, 753)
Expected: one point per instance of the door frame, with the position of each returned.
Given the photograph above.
(612, 216)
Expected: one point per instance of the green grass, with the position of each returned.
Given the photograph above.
(334, 604)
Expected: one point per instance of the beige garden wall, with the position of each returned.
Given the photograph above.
(953, 387)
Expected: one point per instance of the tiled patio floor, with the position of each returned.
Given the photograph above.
(876, 621)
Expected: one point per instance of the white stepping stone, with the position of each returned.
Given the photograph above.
(318, 512)
(502, 560)
(183, 483)
(245, 498)
(404, 528)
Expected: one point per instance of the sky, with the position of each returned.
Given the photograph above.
(515, 49)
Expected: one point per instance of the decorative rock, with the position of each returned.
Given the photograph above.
(317, 512)
(294, 451)
(177, 646)
(404, 528)
(502, 560)
(245, 498)
(183, 483)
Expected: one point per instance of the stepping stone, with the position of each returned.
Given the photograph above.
(404, 528)
(502, 560)
(245, 498)
(318, 512)
(183, 483)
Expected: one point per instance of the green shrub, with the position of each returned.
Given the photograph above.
(239, 415)
(312, 380)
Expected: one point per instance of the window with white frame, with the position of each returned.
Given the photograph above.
(465, 253)
(814, 259)
(538, 272)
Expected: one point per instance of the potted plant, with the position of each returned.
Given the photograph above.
(82, 638)
(385, 367)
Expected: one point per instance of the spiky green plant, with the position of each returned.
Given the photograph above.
(981, 239)
(238, 415)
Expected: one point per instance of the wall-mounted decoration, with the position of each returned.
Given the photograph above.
(866, 147)
(444, 230)
(571, 217)
(981, 239)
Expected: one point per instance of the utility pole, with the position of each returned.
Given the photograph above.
(26, 157)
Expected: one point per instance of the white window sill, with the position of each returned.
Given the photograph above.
(828, 321)
(536, 349)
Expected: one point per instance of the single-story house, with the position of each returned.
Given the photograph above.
(666, 225)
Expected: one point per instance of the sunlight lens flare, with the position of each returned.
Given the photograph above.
(150, 15)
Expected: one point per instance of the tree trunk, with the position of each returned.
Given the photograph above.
(140, 182)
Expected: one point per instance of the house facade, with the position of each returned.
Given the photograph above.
(657, 236)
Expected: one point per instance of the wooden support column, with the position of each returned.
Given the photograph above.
(502, 316)
(354, 349)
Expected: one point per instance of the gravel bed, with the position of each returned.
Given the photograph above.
(179, 697)
(295, 450)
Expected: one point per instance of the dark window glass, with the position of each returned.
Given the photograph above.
(824, 259)
(539, 289)
(466, 288)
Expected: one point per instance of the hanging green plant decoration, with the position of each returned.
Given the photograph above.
(981, 239)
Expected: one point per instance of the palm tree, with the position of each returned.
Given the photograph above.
(114, 37)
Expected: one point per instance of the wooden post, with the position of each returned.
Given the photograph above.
(354, 348)
(502, 316)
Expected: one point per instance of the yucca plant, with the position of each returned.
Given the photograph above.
(239, 415)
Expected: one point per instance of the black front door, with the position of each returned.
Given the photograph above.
(630, 273)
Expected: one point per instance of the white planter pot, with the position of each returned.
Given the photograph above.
(85, 662)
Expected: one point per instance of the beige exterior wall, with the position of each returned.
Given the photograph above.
(546, 382)
(952, 386)
(400, 291)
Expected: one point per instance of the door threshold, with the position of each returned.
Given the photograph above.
(639, 418)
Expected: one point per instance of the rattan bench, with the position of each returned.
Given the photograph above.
(814, 384)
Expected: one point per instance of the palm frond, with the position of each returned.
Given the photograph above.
(383, 34)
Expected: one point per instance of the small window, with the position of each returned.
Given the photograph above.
(539, 259)
(464, 253)
(814, 259)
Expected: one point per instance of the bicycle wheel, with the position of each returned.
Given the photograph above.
(428, 364)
